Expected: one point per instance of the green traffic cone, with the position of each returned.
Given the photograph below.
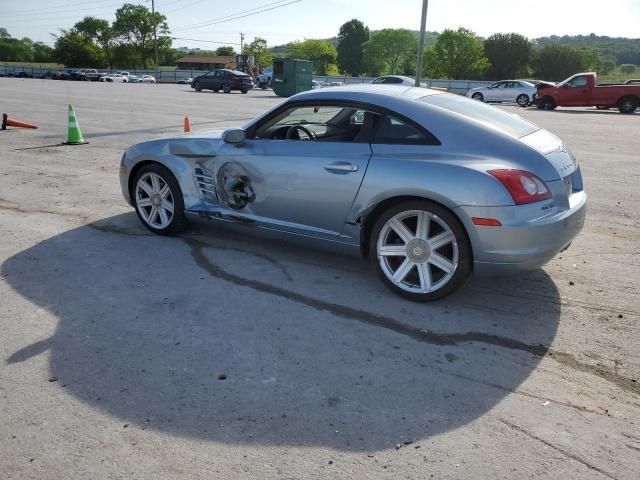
(74, 136)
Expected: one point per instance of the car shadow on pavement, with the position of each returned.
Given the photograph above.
(246, 341)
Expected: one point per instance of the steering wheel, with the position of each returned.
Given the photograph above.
(305, 130)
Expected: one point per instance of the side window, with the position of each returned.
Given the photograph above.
(393, 80)
(391, 130)
(321, 123)
(578, 82)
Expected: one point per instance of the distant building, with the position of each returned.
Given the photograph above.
(205, 62)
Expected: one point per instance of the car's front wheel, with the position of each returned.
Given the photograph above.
(420, 250)
(158, 200)
(197, 87)
(226, 88)
(523, 100)
(477, 96)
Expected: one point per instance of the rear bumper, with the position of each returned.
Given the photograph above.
(519, 245)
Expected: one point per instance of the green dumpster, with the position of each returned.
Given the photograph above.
(291, 76)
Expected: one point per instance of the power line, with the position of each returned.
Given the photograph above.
(236, 16)
(49, 11)
(182, 8)
(204, 41)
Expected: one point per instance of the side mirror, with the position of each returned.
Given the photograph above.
(233, 135)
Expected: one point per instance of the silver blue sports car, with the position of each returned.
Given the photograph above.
(429, 186)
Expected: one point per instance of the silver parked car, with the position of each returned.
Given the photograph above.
(512, 91)
(429, 186)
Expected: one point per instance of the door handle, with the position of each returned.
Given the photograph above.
(341, 167)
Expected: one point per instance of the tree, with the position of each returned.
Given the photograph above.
(389, 47)
(557, 62)
(509, 55)
(135, 24)
(456, 54)
(14, 49)
(74, 49)
(320, 52)
(101, 32)
(260, 51)
(42, 53)
(225, 51)
(627, 68)
(607, 65)
(350, 56)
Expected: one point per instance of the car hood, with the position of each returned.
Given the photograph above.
(542, 85)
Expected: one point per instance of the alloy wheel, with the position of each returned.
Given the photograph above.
(154, 200)
(417, 251)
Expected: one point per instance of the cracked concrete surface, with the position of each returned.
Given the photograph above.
(115, 340)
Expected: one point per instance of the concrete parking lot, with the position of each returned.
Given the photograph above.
(215, 355)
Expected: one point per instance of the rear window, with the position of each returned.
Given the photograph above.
(481, 112)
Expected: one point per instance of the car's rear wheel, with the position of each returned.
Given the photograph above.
(478, 96)
(158, 200)
(420, 250)
(523, 100)
(628, 104)
(226, 88)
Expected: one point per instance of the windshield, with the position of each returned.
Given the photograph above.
(494, 117)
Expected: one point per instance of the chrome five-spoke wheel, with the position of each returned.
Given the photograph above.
(158, 200)
(421, 252)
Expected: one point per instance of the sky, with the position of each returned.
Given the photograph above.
(212, 23)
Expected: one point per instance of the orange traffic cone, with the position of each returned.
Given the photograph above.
(187, 124)
(9, 122)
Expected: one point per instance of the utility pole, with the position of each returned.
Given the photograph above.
(241, 43)
(155, 36)
(423, 26)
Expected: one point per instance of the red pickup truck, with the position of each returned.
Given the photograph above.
(582, 90)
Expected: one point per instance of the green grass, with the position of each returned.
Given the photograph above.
(32, 64)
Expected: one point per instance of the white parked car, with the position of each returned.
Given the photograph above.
(147, 79)
(114, 78)
(513, 91)
(133, 79)
(185, 81)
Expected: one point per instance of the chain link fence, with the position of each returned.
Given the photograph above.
(173, 76)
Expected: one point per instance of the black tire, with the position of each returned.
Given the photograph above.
(226, 88)
(478, 96)
(197, 87)
(216, 90)
(178, 220)
(628, 104)
(522, 100)
(464, 265)
(243, 90)
(548, 103)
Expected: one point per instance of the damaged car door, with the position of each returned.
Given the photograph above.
(299, 170)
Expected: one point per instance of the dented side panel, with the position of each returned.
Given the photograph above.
(291, 185)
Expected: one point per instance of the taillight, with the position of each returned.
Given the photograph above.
(524, 187)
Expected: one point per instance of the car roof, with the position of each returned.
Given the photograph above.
(362, 91)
